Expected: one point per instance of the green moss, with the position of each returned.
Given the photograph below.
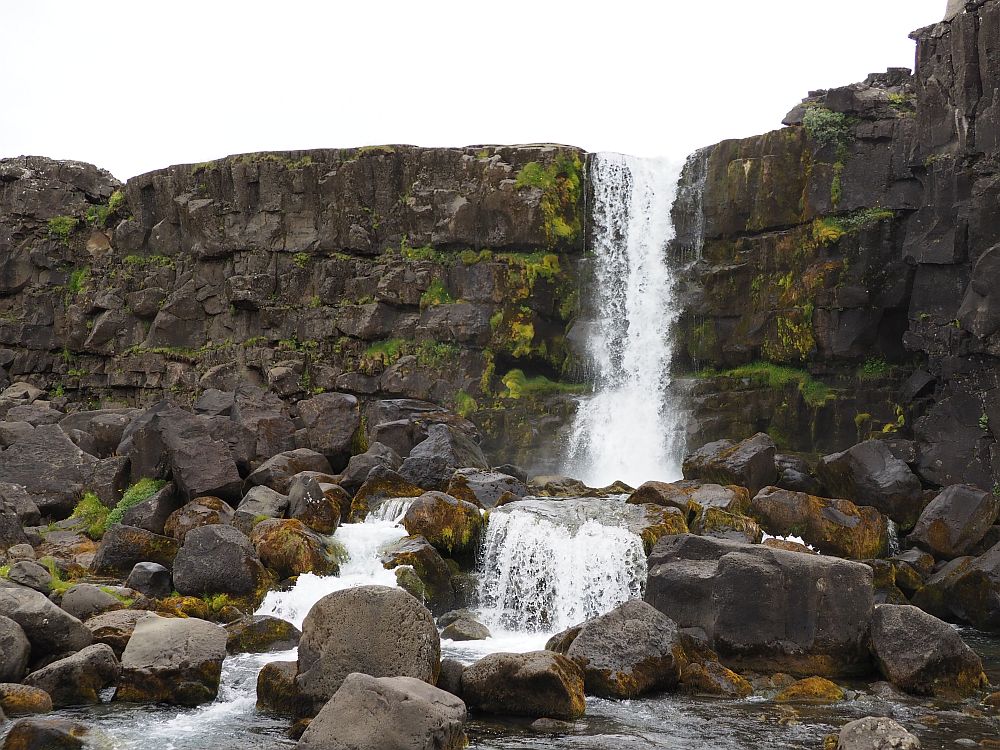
(814, 392)
(4, 571)
(425, 252)
(436, 353)
(60, 227)
(561, 184)
(874, 368)
(78, 281)
(359, 441)
(139, 492)
(519, 385)
(94, 513)
(301, 260)
(471, 257)
(465, 404)
(903, 103)
(141, 261)
(489, 370)
(436, 294)
(58, 585)
(836, 186)
(217, 602)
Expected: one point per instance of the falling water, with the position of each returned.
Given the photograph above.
(628, 429)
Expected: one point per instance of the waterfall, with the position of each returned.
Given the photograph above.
(629, 429)
(546, 565)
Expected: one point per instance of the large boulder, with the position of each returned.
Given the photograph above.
(317, 505)
(383, 484)
(218, 559)
(387, 713)
(921, 654)
(202, 511)
(115, 628)
(277, 471)
(152, 514)
(22, 700)
(123, 546)
(452, 526)
(287, 547)
(833, 526)
(172, 660)
(433, 460)
(376, 630)
(43, 733)
(631, 650)
(14, 651)
(965, 590)
(955, 521)
(536, 684)
(85, 600)
(868, 474)
(876, 733)
(51, 468)
(749, 463)
(150, 579)
(360, 466)
(78, 680)
(765, 609)
(487, 489)
(433, 575)
(49, 629)
(331, 421)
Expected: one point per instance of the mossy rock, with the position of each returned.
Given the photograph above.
(277, 691)
(657, 522)
(452, 526)
(719, 523)
(257, 634)
(414, 556)
(288, 548)
(711, 678)
(811, 690)
(184, 606)
(382, 484)
(23, 700)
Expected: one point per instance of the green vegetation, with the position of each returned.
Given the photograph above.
(77, 281)
(94, 513)
(814, 392)
(217, 602)
(4, 571)
(301, 260)
(428, 353)
(60, 227)
(984, 421)
(903, 103)
(425, 252)
(829, 229)
(465, 404)
(141, 261)
(139, 492)
(98, 215)
(873, 369)
(471, 257)
(436, 294)
(826, 127)
(561, 185)
(385, 352)
(59, 586)
(519, 385)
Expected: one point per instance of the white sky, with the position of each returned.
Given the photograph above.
(134, 85)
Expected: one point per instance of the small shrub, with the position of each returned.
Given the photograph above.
(140, 491)
(94, 513)
(60, 227)
(301, 260)
(436, 294)
(465, 404)
(873, 369)
(78, 281)
(826, 127)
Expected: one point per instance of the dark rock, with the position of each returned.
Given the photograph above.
(47, 734)
(450, 525)
(152, 514)
(316, 507)
(262, 502)
(433, 576)
(450, 678)
(389, 713)
(49, 629)
(433, 461)
(485, 488)
(115, 628)
(288, 548)
(172, 660)
(955, 520)
(256, 634)
(11, 432)
(277, 471)
(876, 733)
(103, 426)
(14, 651)
(85, 600)
(216, 403)
(31, 574)
(966, 590)
(217, 560)
(67, 473)
(150, 579)
(749, 463)
(921, 654)
(465, 629)
(202, 511)
(536, 684)
(380, 631)
(382, 484)
(331, 421)
(13, 497)
(278, 692)
(868, 474)
(124, 546)
(78, 679)
(361, 465)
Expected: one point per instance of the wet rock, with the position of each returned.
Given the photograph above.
(631, 650)
(277, 471)
(316, 506)
(868, 474)
(172, 660)
(376, 630)
(202, 511)
(433, 461)
(921, 654)
(655, 521)
(537, 684)
(359, 466)
(124, 546)
(78, 680)
(834, 527)
(382, 484)
(711, 678)
(811, 690)
(24, 700)
(217, 560)
(31, 574)
(722, 524)
(876, 733)
(388, 713)
(465, 629)
(257, 634)
(114, 628)
(150, 579)
(433, 574)
(288, 548)
(49, 629)
(450, 525)
(47, 734)
(487, 489)
(749, 463)
(278, 692)
(331, 421)
(85, 600)
(14, 651)
(763, 608)
(955, 520)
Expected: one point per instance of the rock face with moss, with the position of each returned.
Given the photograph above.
(378, 272)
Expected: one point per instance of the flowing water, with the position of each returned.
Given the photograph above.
(629, 429)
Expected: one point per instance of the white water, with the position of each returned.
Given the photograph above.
(629, 429)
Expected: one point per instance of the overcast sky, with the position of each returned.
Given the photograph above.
(137, 85)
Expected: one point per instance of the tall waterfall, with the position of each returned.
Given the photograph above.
(629, 429)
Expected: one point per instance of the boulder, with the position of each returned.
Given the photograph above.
(536, 684)
(261, 502)
(382, 484)
(150, 579)
(49, 629)
(85, 600)
(487, 489)
(123, 546)
(811, 690)
(966, 590)
(218, 560)
(23, 700)
(765, 609)
(631, 650)
(316, 507)
(331, 421)
(115, 628)
(711, 678)
(465, 629)
(433, 460)
(955, 521)
(288, 548)
(431, 571)
(278, 692)
(104, 426)
(361, 465)
(450, 678)
(834, 527)
(172, 660)
(78, 680)
(152, 514)
(66, 475)
(868, 474)
(376, 630)
(876, 733)
(31, 574)
(277, 471)
(722, 524)
(257, 634)
(11, 525)
(388, 713)
(202, 511)
(921, 654)
(14, 651)
(450, 525)
(749, 463)
(47, 734)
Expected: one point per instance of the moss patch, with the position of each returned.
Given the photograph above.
(561, 183)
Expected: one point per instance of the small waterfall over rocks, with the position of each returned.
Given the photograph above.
(629, 429)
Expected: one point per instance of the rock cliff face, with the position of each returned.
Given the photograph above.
(439, 274)
(840, 273)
